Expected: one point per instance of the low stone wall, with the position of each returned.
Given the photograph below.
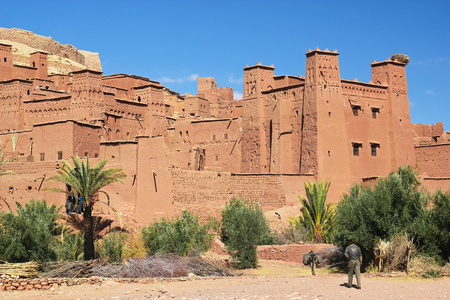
(14, 283)
(291, 253)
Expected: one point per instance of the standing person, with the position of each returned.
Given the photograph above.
(353, 253)
(70, 203)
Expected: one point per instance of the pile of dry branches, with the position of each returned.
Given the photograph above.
(24, 270)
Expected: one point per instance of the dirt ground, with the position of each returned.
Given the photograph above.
(273, 280)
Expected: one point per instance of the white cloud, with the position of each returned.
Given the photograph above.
(231, 79)
(188, 78)
(237, 95)
(166, 80)
(430, 92)
(192, 77)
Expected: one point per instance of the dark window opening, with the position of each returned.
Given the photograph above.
(356, 147)
(28, 92)
(42, 156)
(217, 158)
(34, 64)
(356, 110)
(373, 149)
(96, 155)
(225, 136)
(375, 112)
(4, 59)
(60, 156)
(86, 154)
(214, 137)
(139, 99)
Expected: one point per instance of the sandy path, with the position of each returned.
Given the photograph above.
(294, 284)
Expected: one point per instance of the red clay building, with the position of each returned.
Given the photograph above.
(197, 151)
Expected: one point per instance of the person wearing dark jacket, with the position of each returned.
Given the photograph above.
(353, 253)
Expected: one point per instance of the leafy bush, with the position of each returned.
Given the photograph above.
(70, 246)
(112, 245)
(244, 226)
(30, 234)
(183, 235)
(435, 235)
(396, 204)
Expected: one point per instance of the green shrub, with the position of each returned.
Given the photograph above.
(434, 235)
(244, 226)
(70, 246)
(183, 236)
(112, 246)
(396, 204)
(30, 234)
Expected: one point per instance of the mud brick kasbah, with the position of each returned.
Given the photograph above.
(198, 151)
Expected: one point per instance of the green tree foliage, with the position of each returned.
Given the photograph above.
(435, 234)
(395, 204)
(183, 236)
(87, 182)
(29, 235)
(70, 246)
(317, 215)
(112, 246)
(244, 226)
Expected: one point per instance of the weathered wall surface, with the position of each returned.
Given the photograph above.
(292, 252)
(433, 160)
(206, 193)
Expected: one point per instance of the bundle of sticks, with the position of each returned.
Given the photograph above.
(24, 270)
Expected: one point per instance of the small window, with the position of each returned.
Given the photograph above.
(4, 59)
(86, 154)
(375, 112)
(225, 136)
(34, 64)
(356, 110)
(139, 99)
(356, 147)
(217, 158)
(42, 156)
(214, 137)
(373, 148)
(96, 155)
(60, 155)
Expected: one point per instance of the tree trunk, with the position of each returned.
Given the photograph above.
(88, 233)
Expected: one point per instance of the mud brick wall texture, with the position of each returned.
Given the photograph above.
(291, 253)
(206, 193)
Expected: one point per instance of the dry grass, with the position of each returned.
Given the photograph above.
(134, 247)
(425, 267)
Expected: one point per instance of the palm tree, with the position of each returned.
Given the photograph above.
(87, 183)
(317, 215)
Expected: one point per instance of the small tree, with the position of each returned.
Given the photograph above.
(396, 204)
(183, 236)
(87, 182)
(317, 215)
(244, 226)
(30, 234)
(434, 236)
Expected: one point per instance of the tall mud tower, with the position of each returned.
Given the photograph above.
(256, 135)
(324, 144)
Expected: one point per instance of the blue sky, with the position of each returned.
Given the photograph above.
(174, 42)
